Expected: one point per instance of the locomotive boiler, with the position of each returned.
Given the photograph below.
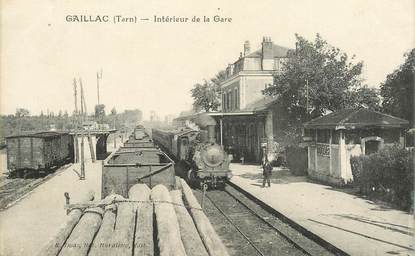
(206, 161)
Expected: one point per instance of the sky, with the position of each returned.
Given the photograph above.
(153, 66)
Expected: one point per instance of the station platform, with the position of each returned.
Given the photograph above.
(31, 221)
(347, 221)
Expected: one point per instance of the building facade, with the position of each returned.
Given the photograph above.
(334, 138)
(250, 74)
(249, 120)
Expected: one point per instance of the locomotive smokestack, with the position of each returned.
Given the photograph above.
(207, 122)
(211, 133)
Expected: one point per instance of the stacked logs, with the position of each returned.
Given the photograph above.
(149, 222)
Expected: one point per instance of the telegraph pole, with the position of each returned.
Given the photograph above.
(82, 136)
(76, 145)
(306, 86)
(83, 103)
(99, 76)
(91, 146)
(76, 98)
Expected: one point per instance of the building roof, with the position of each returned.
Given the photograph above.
(279, 52)
(356, 118)
(260, 104)
(43, 134)
(251, 109)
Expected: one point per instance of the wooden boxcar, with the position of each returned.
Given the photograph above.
(128, 166)
(175, 142)
(38, 152)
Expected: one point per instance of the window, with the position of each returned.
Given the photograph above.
(391, 135)
(227, 101)
(335, 137)
(235, 101)
(277, 64)
(230, 101)
(323, 136)
(352, 137)
(310, 133)
(237, 98)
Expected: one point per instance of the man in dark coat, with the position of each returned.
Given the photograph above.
(267, 169)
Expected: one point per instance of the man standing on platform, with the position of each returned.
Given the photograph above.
(267, 170)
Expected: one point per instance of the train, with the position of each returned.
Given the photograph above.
(206, 162)
(38, 153)
(140, 132)
(138, 160)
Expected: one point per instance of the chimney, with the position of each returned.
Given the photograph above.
(247, 48)
(267, 54)
(267, 48)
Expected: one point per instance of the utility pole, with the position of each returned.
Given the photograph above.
(82, 98)
(75, 95)
(306, 86)
(99, 76)
(83, 103)
(91, 146)
(82, 136)
(76, 145)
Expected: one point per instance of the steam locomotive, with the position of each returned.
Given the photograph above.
(206, 161)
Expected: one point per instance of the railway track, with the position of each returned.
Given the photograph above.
(12, 190)
(248, 229)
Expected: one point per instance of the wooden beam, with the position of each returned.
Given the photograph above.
(80, 240)
(143, 242)
(168, 232)
(103, 237)
(191, 239)
(54, 245)
(212, 242)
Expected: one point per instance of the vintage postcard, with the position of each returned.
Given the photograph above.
(207, 127)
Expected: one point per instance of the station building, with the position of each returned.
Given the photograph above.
(248, 118)
(332, 139)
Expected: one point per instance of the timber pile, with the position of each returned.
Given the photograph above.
(148, 222)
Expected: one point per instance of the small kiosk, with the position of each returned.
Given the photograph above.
(332, 139)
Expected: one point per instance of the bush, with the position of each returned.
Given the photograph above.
(297, 160)
(387, 175)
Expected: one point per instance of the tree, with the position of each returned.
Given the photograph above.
(219, 77)
(398, 90)
(99, 111)
(113, 111)
(316, 78)
(206, 96)
(363, 97)
(22, 112)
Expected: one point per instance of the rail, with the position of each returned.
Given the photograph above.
(268, 223)
(262, 219)
(235, 226)
(311, 236)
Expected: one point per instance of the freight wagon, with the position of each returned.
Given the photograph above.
(145, 143)
(129, 166)
(140, 132)
(38, 153)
